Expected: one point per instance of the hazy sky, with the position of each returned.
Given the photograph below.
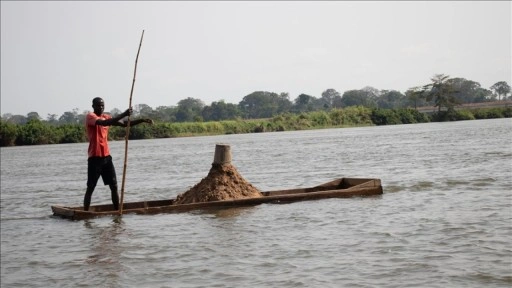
(57, 56)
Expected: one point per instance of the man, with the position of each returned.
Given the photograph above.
(100, 161)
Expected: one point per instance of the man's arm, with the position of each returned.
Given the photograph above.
(115, 121)
(133, 122)
(139, 121)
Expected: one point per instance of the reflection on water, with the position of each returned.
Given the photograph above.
(107, 238)
(224, 212)
(104, 257)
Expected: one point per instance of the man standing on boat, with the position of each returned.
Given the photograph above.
(99, 162)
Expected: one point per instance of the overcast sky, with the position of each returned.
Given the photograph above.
(57, 56)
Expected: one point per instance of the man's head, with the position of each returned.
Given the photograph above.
(98, 105)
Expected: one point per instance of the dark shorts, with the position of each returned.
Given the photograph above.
(100, 166)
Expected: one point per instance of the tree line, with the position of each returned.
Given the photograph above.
(442, 92)
(382, 107)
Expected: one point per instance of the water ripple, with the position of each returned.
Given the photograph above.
(443, 221)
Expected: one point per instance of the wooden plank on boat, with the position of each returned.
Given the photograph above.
(338, 188)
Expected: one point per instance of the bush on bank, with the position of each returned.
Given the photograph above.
(36, 132)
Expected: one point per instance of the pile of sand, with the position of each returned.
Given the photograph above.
(222, 183)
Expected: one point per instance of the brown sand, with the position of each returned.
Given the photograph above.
(222, 183)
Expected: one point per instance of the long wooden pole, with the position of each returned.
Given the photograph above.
(128, 130)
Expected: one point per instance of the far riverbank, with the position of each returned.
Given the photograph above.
(37, 132)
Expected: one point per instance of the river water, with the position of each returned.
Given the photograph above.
(444, 220)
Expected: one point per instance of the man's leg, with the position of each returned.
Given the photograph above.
(93, 174)
(87, 198)
(115, 196)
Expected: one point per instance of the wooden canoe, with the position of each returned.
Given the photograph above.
(338, 188)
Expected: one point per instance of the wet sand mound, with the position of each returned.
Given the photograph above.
(222, 183)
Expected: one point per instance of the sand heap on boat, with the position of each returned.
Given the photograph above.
(223, 182)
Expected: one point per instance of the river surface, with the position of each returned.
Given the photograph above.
(444, 220)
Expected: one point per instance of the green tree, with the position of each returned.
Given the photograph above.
(18, 119)
(143, 111)
(114, 112)
(352, 98)
(52, 119)
(283, 102)
(414, 97)
(501, 88)
(35, 132)
(8, 133)
(328, 97)
(381, 116)
(188, 109)
(366, 97)
(390, 99)
(165, 114)
(372, 94)
(260, 104)
(304, 103)
(69, 117)
(221, 111)
(71, 133)
(466, 91)
(336, 102)
(81, 117)
(33, 115)
(441, 92)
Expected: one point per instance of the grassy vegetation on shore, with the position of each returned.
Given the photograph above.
(37, 132)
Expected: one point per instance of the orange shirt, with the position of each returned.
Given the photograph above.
(97, 134)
